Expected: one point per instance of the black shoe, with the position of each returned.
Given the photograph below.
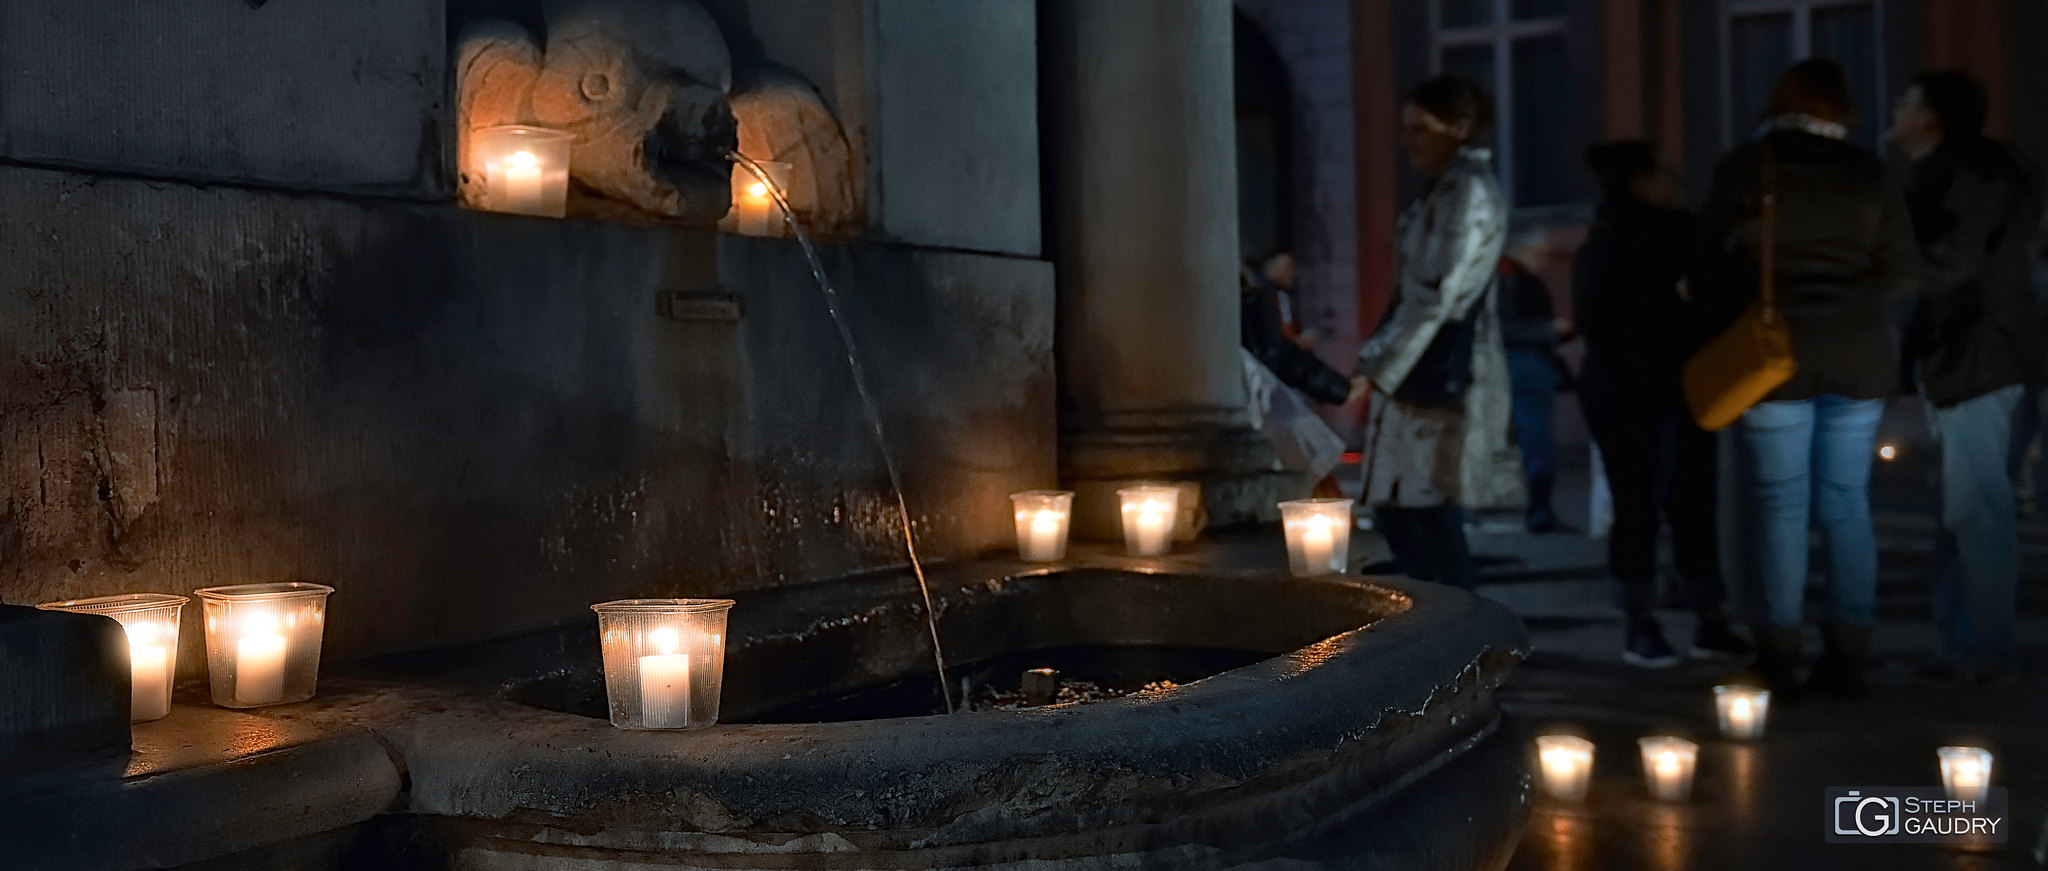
(1644, 646)
(1715, 639)
(1777, 662)
(1839, 671)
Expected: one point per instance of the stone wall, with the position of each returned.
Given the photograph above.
(1314, 38)
(472, 424)
(332, 96)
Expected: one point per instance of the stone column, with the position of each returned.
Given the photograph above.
(1139, 137)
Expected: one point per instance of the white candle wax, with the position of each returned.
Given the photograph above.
(1667, 766)
(150, 693)
(1042, 543)
(1152, 529)
(259, 668)
(1966, 772)
(665, 684)
(1567, 765)
(522, 182)
(1319, 544)
(756, 210)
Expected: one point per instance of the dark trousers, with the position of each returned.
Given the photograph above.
(1429, 543)
(1660, 467)
(1535, 379)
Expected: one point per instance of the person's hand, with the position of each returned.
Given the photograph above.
(1360, 386)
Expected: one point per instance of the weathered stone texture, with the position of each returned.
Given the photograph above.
(953, 139)
(471, 423)
(337, 96)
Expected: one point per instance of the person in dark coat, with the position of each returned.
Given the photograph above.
(1628, 300)
(1844, 253)
(1264, 330)
(1973, 346)
(1530, 333)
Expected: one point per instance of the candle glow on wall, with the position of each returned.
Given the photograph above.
(151, 623)
(1149, 511)
(1741, 710)
(1042, 521)
(1965, 772)
(1318, 536)
(1567, 762)
(263, 642)
(664, 661)
(525, 169)
(1668, 766)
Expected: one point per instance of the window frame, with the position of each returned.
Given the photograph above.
(1499, 34)
(1802, 48)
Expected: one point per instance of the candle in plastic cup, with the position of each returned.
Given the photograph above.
(1042, 520)
(1318, 535)
(150, 620)
(1742, 711)
(664, 661)
(1567, 762)
(1965, 772)
(1149, 514)
(263, 642)
(1668, 766)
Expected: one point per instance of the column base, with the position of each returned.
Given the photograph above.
(1227, 473)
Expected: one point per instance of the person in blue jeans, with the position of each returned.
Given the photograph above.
(1974, 344)
(1843, 252)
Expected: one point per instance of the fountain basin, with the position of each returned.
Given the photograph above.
(1364, 738)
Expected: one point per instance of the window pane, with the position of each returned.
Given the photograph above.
(1759, 47)
(1473, 62)
(1528, 10)
(1545, 172)
(1848, 36)
(1465, 13)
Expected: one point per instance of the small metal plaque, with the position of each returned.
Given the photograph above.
(701, 306)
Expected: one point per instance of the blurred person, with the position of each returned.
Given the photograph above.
(1628, 298)
(1436, 439)
(1530, 332)
(1843, 251)
(1303, 441)
(1973, 346)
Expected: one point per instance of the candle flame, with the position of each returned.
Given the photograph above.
(523, 160)
(1667, 761)
(1888, 452)
(664, 639)
(1321, 523)
(1740, 708)
(141, 634)
(757, 190)
(259, 623)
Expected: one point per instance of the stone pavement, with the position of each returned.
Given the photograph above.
(1759, 806)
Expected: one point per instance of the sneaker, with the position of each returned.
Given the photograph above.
(1716, 640)
(1644, 646)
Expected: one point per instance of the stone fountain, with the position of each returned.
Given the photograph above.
(239, 350)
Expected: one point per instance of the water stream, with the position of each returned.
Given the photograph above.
(867, 401)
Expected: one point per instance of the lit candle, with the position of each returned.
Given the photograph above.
(1318, 535)
(259, 662)
(1152, 529)
(1044, 542)
(1742, 710)
(665, 683)
(1965, 772)
(150, 673)
(1567, 765)
(1668, 766)
(522, 183)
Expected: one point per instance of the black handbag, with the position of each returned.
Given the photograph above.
(1444, 371)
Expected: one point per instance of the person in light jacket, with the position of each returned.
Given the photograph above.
(1425, 463)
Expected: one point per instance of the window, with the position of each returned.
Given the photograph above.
(1763, 37)
(1516, 50)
